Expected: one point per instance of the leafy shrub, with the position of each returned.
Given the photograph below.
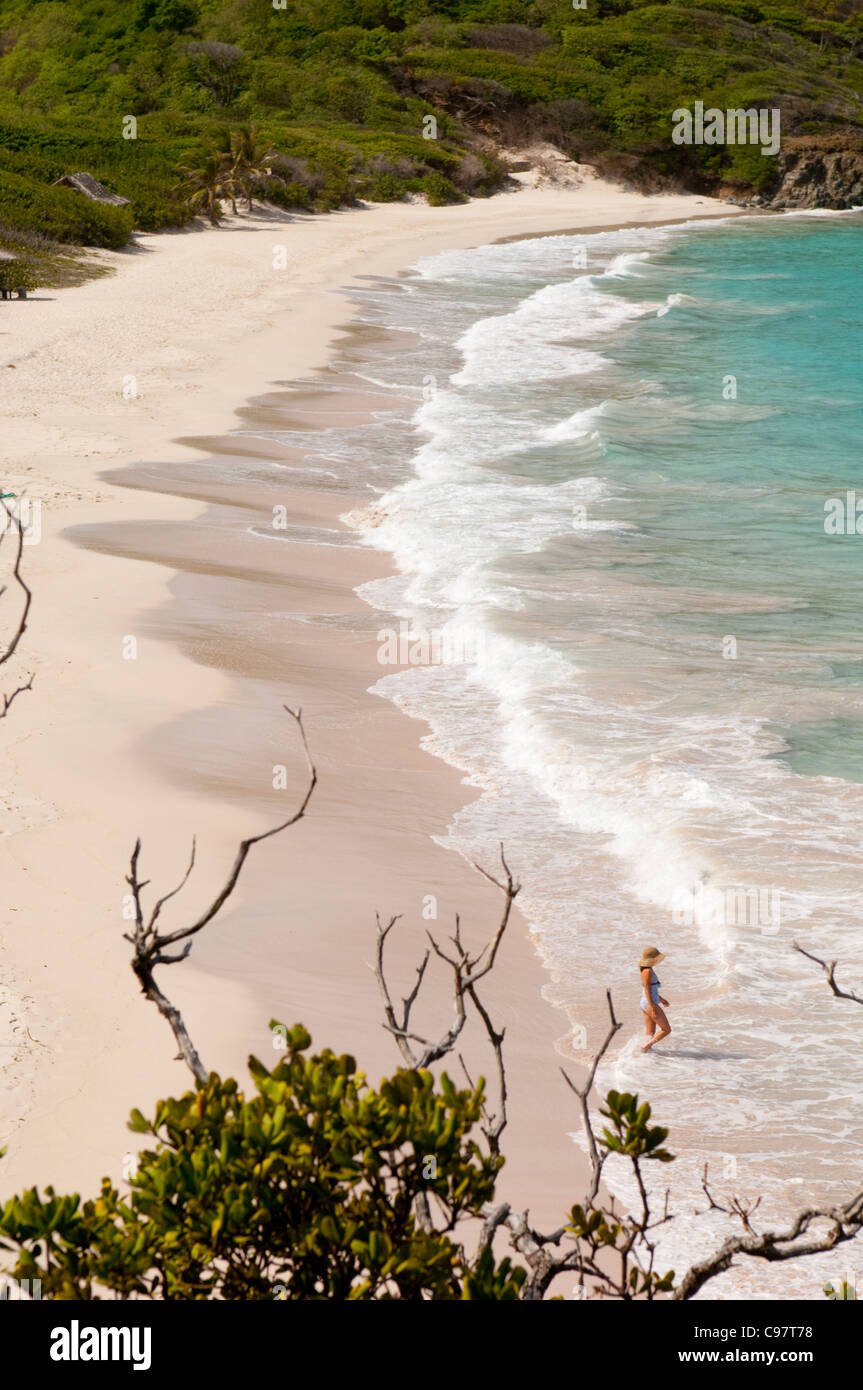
(387, 178)
(294, 169)
(62, 213)
(271, 83)
(290, 194)
(435, 32)
(152, 209)
(438, 189)
(384, 188)
(305, 1189)
(352, 41)
(219, 67)
(17, 274)
(175, 15)
(321, 172)
(346, 98)
(747, 167)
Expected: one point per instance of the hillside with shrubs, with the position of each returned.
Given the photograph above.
(331, 99)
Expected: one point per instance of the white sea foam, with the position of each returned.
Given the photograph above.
(529, 343)
(627, 264)
(675, 301)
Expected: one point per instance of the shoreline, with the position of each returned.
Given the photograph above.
(80, 746)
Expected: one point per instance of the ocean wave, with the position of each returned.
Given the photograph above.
(626, 264)
(676, 301)
(530, 344)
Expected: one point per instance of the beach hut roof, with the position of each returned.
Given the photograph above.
(92, 188)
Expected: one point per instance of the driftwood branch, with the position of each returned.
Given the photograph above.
(152, 947)
(829, 968)
(10, 520)
(843, 1223)
(743, 1209)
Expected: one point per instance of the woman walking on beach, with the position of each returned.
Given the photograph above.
(655, 1023)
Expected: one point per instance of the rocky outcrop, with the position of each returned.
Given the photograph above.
(818, 171)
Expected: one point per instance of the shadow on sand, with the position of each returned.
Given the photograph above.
(701, 1054)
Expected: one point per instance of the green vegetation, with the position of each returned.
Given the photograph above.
(306, 1190)
(341, 89)
(17, 274)
(62, 213)
(44, 261)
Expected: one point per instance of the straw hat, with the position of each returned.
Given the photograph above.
(650, 956)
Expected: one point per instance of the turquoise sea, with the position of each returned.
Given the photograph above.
(611, 498)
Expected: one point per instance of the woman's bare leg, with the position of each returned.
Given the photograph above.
(662, 1025)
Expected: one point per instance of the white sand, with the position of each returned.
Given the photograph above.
(202, 321)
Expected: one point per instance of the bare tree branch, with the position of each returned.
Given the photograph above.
(544, 1255)
(11, 646)
(8, 699)
(494, 1216)
(737, 1205)
(494, 1124)
(830, 971)
(583, 1094)
(843, 1223)
(467, 971)
(397, 1026)
(245, 845)
(151, 945)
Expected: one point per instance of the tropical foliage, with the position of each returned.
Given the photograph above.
(304, 1190)
(17, 274)
(307, 1189)
(342, 89)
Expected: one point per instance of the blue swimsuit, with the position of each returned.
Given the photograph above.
(654, 991)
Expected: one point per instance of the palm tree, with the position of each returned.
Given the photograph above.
(203, 188)
(225, 153)
(250, 161)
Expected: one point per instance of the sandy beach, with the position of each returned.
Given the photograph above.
(141, 374)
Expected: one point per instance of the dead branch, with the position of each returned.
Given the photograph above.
(151, 946)
(844, 1223)
(494, 1217)
(829, 969)
(8, 699)
(583, 1094)
(742, 1208)
(467, 971)
(21, 626)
